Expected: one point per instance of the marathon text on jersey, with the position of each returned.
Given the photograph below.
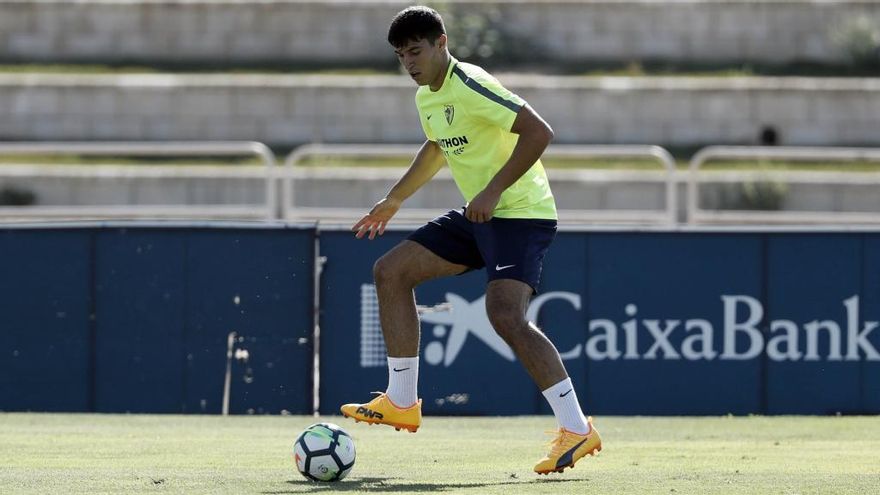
(453, 142)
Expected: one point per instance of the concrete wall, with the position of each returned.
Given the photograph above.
(288, 110)
(353, 32)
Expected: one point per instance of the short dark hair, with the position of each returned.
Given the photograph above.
(415, 23)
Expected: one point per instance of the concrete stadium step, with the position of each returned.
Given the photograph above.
(287, 110)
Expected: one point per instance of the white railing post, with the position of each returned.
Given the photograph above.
(667, 216)
(697, 215)
(145, 148)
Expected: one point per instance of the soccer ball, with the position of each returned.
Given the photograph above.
(324, 452)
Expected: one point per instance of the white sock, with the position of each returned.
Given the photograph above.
(563, 401)
(403, 380)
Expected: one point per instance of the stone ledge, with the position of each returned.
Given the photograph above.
(512, 80)
(243, 31)
(286, 110)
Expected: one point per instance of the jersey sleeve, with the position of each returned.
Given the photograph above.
(485, 99)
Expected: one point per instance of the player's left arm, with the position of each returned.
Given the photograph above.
(534, 136)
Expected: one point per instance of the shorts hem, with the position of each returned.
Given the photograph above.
(534, 287)
(467, 269)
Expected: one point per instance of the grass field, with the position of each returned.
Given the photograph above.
(81, 453)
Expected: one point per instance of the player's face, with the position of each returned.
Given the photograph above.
(422, 60)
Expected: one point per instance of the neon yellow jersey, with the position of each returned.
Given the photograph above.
(470, 117)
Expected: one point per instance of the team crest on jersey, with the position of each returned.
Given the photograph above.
(449, 111)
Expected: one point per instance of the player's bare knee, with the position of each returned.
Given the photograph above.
(383, 271)
(506, 321)
(387, 273)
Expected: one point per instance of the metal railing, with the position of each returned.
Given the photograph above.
(698, 215)
(290, 170)
(285, 208)
(666, 216)
(154, 149)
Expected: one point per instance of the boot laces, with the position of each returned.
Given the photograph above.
(557, 444)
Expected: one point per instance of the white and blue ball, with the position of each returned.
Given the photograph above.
(324, 452)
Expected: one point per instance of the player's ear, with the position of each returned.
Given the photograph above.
(441, 41)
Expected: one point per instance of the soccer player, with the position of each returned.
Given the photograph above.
(492, 141)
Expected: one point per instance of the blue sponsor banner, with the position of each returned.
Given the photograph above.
(45, 300)
(465, 368)
(646, 323)
(257, 283)
(167, 301)
(656, 306)
(140, 318)
(136, 319)
(814, 297)
(352, 349)
(869, 370)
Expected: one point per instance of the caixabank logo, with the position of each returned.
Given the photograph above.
(642, 337)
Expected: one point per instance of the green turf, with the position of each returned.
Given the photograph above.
(78, 453)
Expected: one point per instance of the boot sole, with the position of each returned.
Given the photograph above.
(397, 426)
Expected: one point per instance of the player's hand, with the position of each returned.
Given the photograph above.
(482, 207)
(375, 221)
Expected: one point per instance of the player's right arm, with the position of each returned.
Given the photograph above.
(427, 162)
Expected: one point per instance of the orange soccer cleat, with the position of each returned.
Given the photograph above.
(567, 448)
(381, 411)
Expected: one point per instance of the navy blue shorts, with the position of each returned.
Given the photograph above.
(509, 248)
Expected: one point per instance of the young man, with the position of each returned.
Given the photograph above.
(492, 141)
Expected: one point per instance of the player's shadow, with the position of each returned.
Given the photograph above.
(379, 485)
